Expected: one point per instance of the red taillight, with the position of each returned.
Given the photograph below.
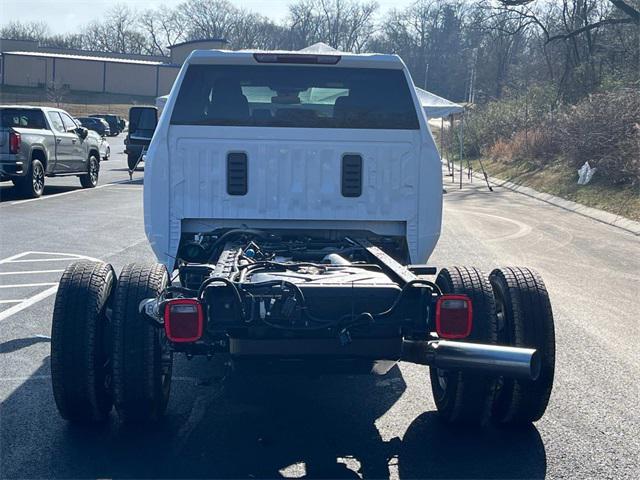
(183, 320)
(454, 316)
(14, 142)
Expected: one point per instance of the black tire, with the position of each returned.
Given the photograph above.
(466, 397)
(90, 179)
(32, 184)
(526, 320)
(131, 161)
(141, 364)
(80, 357)
(107, 153)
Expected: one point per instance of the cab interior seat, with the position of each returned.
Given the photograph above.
(228, 102)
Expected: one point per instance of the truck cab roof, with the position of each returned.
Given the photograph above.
(315, 55)
(33, 107)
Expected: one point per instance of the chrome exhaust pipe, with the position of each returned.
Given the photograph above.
(500, 360)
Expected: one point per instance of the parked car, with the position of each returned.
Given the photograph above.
(39, 142)
(115, 122)
(98, 125)
(297, 197)
(142, 124)
(105, 149)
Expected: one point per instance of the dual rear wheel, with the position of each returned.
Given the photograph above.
(103, 353)
(510, 307)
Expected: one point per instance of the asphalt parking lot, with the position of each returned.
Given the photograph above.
(335, 427)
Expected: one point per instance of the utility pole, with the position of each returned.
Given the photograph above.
(471, 96)
(426, 76)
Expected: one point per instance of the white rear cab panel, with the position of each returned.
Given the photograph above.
(294, 181)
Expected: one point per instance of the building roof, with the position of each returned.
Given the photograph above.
(219, 40)
(17, 40)
(84, 57)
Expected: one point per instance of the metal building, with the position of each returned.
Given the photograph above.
(26, 64)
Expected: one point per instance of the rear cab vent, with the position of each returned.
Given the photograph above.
(237, 175)
(351, 175)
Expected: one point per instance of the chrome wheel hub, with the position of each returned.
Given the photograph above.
(93, 171)
(38, 178)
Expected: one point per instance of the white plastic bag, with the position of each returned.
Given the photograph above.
(585, 173)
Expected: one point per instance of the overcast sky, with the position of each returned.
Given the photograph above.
(67, 16)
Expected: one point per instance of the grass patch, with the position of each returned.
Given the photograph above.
(560, 180)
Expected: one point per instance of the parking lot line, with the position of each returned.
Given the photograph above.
(26, 285)
(14, 260)
(31, 272)
(45, 197)
(28, 302)
(48, 253)
(29, 260)
(20, 202)
(13, 257)
(56, 195)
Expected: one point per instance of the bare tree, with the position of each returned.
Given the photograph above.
(431, 32)
(71, 40)
(573, 33)
(208, 18)
(17, 30)
(251, 30)
(117, 32)
(503, 37)
(629, 11)
(163, 28)
(343, 24)
(303, 23)
(57, 92)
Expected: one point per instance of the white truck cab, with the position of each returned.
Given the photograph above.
(333, 142)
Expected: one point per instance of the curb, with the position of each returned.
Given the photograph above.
(612, 219)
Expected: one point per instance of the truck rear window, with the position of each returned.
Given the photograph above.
(22, 118)
(294, 96)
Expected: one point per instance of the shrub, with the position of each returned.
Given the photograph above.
(503, 119)
(501, 151)
(536, 146)
(604, 129)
